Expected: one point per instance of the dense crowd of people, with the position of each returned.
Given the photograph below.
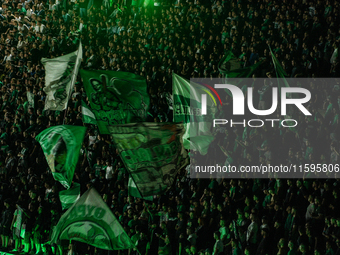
(196, 216)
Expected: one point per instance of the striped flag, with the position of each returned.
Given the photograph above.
(61, 146)
(187, 109)
(134, 192)
(88, 115)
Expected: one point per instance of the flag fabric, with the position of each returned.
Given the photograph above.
(148, 3)
(116, 97)
(230, 67)
(70, 196)
(280, 72)
(90, 220)
(61, 146)
(187, 109)
(88, 116)
(60, 77)
(153, 153)
(134, 192)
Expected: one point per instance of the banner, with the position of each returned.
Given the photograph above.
(61, 146)
(281, 81)
(60, 77)
(187, 109)
(230, 67)
(70, 196)
(116, 97)
(88, 116)
(91, 221)
(153, 153)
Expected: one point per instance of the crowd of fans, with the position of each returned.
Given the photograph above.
(196, 216)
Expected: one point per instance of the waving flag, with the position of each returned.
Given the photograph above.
(61, 74)
(70, 196)
(90, 220)
(153, 153)
(61, 146)
(88, 116)
(116, 97)
(281, 81)
(187, 109)
(134, 192)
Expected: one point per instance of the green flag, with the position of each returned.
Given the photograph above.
(116, 97)
(280, 72)
(230, 67)
(281, 81)
(187, 109)
(134, 192)
(70, 196)
(61, 146)
(60, 77)
(153, 153)
(88, 116)
(90, 220)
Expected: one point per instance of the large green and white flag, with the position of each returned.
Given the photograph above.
(90, 220)
(60, 77)
(149, 4)
(61, 146)
(187, 109)
(153, 153)
(116, 97)
(134, 192)
(88, 116)
(70, 196)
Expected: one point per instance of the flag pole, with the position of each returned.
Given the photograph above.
(277, 77)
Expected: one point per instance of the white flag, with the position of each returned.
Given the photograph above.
(60, 77)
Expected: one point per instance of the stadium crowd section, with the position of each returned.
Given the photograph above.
(196, 216)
